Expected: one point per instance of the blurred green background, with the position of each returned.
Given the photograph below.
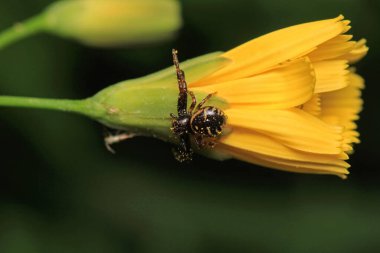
(62, 191)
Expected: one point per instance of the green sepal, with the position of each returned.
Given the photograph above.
(143, 105)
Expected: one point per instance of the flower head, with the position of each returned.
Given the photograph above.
(290, 97)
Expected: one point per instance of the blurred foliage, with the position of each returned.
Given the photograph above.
(61, 191)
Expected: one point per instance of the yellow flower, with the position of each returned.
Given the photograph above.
(292, 98)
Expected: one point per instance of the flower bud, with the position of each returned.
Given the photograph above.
(108, 23)
(291, 101)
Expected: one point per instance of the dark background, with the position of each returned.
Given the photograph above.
(62, 191)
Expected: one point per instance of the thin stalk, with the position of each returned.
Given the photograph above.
(21, 30)
(85, 106)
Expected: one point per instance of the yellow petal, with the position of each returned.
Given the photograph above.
(341, 107)
(296, 167)
(259, 143)
(333, 48)
(356, 80)
(253, 147)
(330, 75)
(267, 51)
(313, 106)
(351, 136)
(283, 87)
(293, 128)
(358, 52)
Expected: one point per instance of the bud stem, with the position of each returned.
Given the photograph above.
(85, 106)
(21, 30)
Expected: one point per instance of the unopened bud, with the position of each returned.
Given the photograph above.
(107, 23)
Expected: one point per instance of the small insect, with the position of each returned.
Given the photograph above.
(205, 123)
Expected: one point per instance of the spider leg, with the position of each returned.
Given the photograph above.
(193, 102)
(110, 139)
(182, 86)
(180, 74)
(184, 151)
(211, 143)
(204, 142)
(199, 141)
(199, 106)
(182, 104)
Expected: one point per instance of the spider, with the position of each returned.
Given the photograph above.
(205, 123)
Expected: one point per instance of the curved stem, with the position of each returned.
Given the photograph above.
(21, 30)
(85, 106)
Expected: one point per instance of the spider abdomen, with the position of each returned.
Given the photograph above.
(208, 121)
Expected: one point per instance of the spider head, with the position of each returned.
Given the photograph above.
(181, 125)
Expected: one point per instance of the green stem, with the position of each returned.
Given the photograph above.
(21, 30)
(85, 106)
